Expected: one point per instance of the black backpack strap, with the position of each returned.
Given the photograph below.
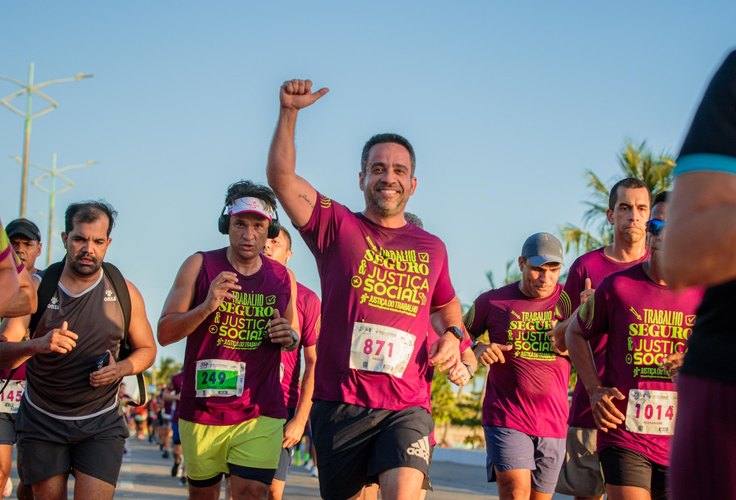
(123, 295)
(46, 291)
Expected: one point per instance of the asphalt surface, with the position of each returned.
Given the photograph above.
(145, 475)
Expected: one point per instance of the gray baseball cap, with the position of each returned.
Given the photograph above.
(541, 248)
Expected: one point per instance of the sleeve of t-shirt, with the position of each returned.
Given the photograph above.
(444, 292)
(4, 243)
(593, 315)
(475, 318)
(570, 297)
(311, 321)
(323, 225)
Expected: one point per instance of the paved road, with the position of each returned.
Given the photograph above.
(147, 476)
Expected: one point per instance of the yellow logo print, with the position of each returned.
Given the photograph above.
(325, 202)
(270, 300)
(356, 281)
(423, 257)
(689, 320)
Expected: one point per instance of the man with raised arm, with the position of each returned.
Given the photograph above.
(382, 280)
(699, 250)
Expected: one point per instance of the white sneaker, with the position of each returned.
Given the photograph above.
(314, 472)
(8, 488)
(309, 465)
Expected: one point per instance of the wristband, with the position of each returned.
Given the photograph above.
(455, 331)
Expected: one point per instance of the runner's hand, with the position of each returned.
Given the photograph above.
(293, 432)
(59, 340)
(220, 289)
(673, 362)
(605, 413)
(280, 331)
(587, 292)
(459, 374)
(557, 339)
(106, 375)
(445, 353)
(297, 94)
(491, 353)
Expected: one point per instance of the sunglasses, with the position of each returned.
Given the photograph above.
(655, 226)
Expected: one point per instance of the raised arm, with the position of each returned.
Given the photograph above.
(25, 299)
(701, 230)
(8, 280)
(295, 194)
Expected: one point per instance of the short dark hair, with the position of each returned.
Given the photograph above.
(660, 198)
(384, 138)
(243, 189)
(89, 211)
(282, 230)
(627, 183)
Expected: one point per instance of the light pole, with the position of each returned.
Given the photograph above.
(53, 173)
(29, 89)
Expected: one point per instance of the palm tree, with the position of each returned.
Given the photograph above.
(635, 161)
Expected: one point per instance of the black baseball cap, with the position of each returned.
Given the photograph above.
(23, 227)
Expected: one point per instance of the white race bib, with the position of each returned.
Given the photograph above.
(11, 396)
(382, 349)
(651, 412)
(219, 378)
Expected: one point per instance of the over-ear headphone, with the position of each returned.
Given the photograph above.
(223, 223)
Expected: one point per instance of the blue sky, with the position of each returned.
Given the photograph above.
(506, 103)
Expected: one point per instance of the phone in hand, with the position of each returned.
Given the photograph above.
(103, 361)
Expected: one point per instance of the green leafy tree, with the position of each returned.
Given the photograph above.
(634, 161)
(162, 373)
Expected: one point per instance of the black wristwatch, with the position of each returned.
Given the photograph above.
(455, 331)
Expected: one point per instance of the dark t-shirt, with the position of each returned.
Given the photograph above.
(711, 348)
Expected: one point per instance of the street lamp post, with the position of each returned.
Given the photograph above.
(53, 173)
(29, 89)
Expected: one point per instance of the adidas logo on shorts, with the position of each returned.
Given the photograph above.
(420, 449)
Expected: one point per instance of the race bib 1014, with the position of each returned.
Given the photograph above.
(651, 412)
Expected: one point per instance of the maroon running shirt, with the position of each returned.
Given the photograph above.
(596, 266)
(231, 368)
(646, 322)
(308, 312)
(378, 286)
(528, 392)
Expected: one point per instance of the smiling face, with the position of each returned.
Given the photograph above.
(387, 182)
(86, 245)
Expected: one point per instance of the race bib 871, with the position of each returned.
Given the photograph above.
(378, 348)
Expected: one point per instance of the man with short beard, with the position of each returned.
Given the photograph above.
(70, 417)
(382, 282)
(628, 211)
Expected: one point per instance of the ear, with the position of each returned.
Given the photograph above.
(361, 180)
(521, 264)
(413, 186)
(64, 237)
(609, 216)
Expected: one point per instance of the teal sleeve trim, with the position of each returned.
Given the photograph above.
(705, 162)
